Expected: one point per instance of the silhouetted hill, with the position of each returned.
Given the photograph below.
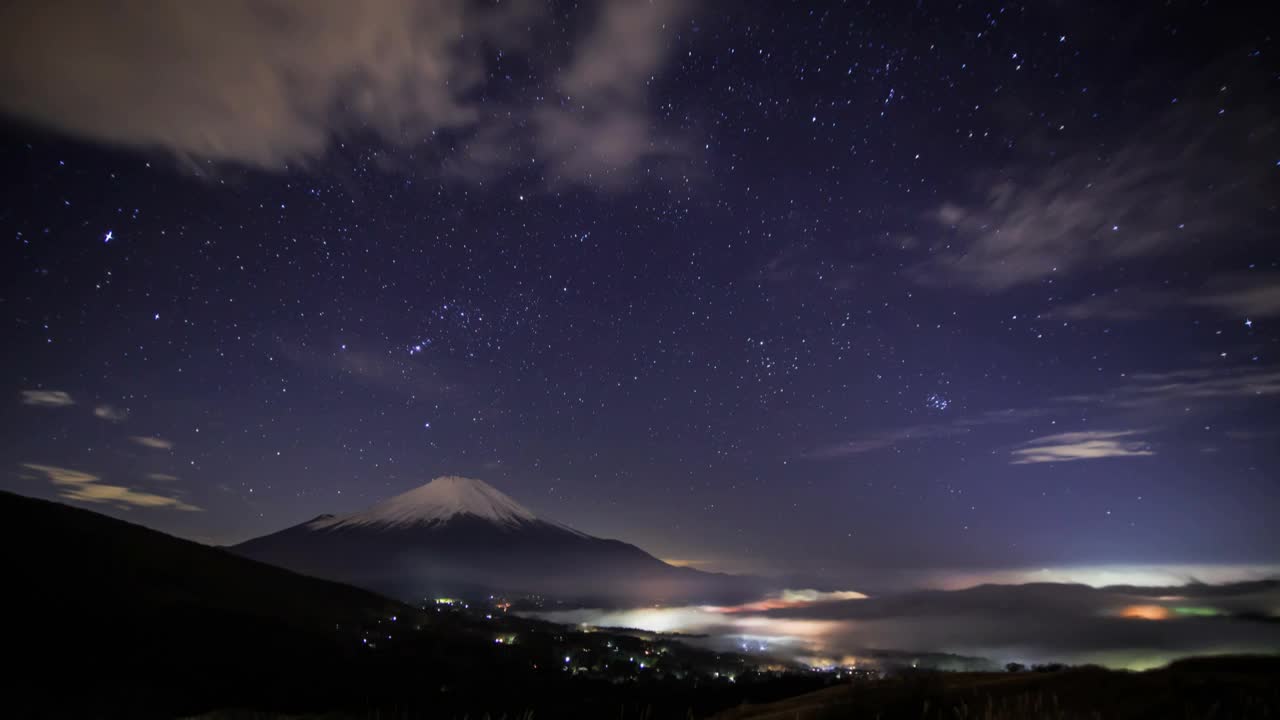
(113, 618)
(78, 558)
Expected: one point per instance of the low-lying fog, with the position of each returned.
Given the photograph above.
(1117, 626)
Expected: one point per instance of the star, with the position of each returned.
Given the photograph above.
(1248, 323)
(108, 237)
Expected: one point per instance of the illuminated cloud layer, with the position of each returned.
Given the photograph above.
(111, 413)
(789, 599)
(85, 487)
(1120, 626)
(1093, 445)
(46, 398)
(156, 443)
(1098, 576)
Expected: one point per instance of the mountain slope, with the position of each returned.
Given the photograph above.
(463, 536)
(83, 557)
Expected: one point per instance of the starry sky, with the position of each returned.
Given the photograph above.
(862, 289)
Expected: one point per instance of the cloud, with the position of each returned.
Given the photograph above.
(46, 398)
(801, 267)
(1057, 622)
(1147, 393)
(111, 413)
(276, 83)
(85, 487)
(601, 127)
(788, 598)
(1120, 305)
(901, 436)
(888, 439)
(980, 627)
(257, 83)
(1090, 445)
(1188, 387)
(161, 477)
(1256, 295)
(152, 442)
(1183, 183)
(393, 370)
(62, 476)
(1250, 295)
(1153, 575)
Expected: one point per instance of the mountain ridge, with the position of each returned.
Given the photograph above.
(460, 535)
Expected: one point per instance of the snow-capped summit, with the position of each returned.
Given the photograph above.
(436, 502)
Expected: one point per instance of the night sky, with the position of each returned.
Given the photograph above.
(858, 289)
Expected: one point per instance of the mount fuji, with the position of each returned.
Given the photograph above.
(459, 536)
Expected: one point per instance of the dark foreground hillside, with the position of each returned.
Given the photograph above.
(1227, 687)
(110, 619)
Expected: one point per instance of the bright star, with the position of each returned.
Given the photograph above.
(1248, 323)
(107, 238)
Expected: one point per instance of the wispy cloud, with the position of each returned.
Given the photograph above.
(1147, 394)
(1131, 304)
(161, 477)
(389, 369)
(1188, 386)
(914, 433)
(62, 476)
(46, 398)
(601, 127)
(111, 413)
(1255, 294)
(153, 442)
(1247, 295)
(1164, 191)
(887, 439)
(275, 85)
(85, 487)
(1073, 446)
(801, 267)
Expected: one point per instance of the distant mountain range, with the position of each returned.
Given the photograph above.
(457, 535)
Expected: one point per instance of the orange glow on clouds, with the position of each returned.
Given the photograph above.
(1145, 612)
(788, 599)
